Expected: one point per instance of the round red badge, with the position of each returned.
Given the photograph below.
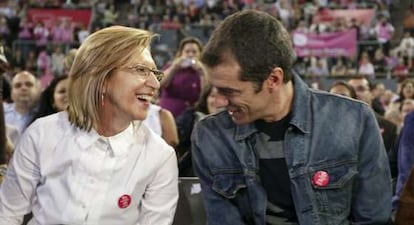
(321, 178)
(124, 201)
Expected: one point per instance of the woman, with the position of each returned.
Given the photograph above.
(162, 122)
(53, 98)
(209, 102)
(95, 163)
(183, 78)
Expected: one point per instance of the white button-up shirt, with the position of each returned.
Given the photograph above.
(68, 176)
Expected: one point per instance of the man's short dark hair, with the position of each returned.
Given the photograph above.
(256, 40)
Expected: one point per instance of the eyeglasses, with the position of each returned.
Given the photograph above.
(146, 72)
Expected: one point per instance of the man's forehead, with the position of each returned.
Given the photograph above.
(24, 76)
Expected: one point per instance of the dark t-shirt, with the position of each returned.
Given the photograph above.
(274, 172)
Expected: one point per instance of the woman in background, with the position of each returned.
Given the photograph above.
(162, 122)
(183, 80)
(209, 102)
(54, 98)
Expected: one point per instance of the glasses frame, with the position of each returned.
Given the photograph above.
(145, 71)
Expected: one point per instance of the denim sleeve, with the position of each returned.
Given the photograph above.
(405, 156)
(371, 203)
(219, 210)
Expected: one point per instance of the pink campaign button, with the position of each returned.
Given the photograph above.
(124, 201)
(321, 178)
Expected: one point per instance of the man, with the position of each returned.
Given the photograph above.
(283, 153)
(388, 129)
(25, 95)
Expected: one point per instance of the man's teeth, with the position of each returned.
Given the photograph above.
(144, 97)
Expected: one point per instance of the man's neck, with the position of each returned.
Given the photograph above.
(284, 101)
(22, 109)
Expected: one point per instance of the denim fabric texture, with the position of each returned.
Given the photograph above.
(328, 133)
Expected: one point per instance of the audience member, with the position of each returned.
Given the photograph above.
(388, 130)
(162, 122)
(343, 88)
(130, 172)
(53, 99)
(183, 78)
(269, 158)
(208, 103)
(25, 95)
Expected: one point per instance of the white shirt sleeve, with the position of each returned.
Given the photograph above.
(161, 195)
(22, 177)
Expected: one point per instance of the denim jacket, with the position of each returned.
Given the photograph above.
(327, 133)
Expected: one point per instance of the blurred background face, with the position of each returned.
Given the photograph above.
(25, 89)
(190, 50)
(60, 96)
(215, 102)
(340, 90)
(408, 90)
(362, 89)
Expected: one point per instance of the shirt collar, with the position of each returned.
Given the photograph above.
(118, 143)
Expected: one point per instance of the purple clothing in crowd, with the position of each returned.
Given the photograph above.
(405, 156)
(182, 91)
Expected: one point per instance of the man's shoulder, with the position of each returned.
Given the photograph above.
(335, 100)
(8, 107)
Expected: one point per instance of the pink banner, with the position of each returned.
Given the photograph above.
(325, 44)
(363, 16)
(49, 15)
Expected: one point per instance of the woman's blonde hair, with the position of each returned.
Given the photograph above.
(100, 54)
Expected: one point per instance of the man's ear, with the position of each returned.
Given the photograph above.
(275, 79)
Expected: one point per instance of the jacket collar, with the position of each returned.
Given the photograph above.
(300, 111)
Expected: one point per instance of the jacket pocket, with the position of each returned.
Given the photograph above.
(334, 197)
(228, 184)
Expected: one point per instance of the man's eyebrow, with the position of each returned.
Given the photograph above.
(227, 90)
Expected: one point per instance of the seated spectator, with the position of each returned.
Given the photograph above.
(406, 46)
(400, 71)
(406, 92)
(339, 69)
(343, 88)
(365, 66)
(53, 99)
(209, 102)
(25, 95)
(25, 29)
(379, 62)
(162, 122)
(318, 69)
(57, 60)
